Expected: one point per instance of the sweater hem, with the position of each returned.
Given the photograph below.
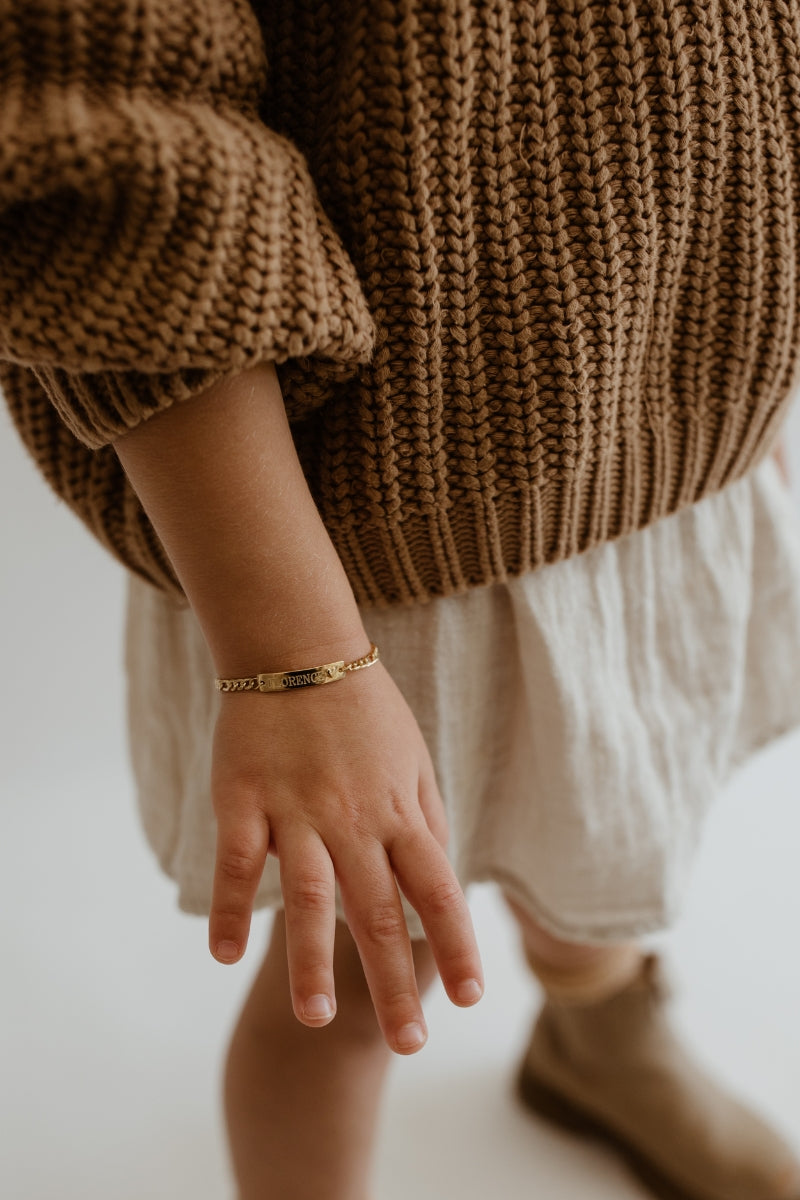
(451, 550)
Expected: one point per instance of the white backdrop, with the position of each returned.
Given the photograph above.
(113, 1015)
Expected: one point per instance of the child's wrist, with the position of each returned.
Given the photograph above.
(284, 628)
(303, 648)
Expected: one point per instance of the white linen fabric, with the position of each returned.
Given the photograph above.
(581, 718)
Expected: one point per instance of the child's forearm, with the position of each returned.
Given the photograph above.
(220, 480)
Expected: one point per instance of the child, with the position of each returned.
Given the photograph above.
(449, 349)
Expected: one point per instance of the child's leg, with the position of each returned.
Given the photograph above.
(301, 1104)
(567, 970)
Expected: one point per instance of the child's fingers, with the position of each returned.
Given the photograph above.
(308, 886)
(241, 853)
(376, 921)
(430, 885)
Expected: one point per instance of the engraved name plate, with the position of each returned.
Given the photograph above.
(282, 681)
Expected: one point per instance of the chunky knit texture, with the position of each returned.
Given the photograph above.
(528, 270)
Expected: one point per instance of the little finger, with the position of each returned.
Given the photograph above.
(429, 883)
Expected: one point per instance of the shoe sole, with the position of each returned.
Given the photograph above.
(554, 1108)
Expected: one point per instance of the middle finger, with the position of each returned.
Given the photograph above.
(307, 883)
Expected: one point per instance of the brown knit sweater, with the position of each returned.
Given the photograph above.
(528, 270)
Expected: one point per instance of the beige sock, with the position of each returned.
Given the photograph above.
(605, 974)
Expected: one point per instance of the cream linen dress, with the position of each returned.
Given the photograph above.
(581, 718)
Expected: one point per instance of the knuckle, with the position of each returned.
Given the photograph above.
(354, 814)
(238, 866)
(229, 915)
(403, 1005)
(385, 924)
(311, 895)
(356, 807)
(398, 805)
(443, 897)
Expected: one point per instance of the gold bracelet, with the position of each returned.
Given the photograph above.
(281, 681)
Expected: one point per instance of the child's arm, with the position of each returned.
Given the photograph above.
(337, 781)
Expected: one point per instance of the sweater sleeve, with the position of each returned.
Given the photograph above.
(155, 234)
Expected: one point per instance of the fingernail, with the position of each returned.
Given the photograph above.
(226, 951)
(318, 1008)
(410, 1036)
(468, 991)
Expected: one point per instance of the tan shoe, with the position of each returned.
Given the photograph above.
(615, 1070)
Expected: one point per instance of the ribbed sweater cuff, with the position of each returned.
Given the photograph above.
(100, 406)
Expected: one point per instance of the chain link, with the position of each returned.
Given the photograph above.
(366, 660)
(238, 685)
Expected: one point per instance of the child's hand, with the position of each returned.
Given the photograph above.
(338, 783)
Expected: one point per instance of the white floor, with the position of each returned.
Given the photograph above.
(113, 1016)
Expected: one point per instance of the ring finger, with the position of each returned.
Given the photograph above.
(376, 920)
